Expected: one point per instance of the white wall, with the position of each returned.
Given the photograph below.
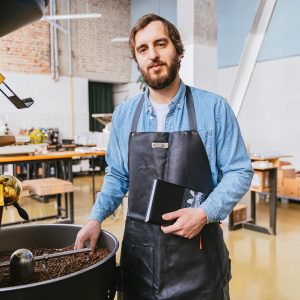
(123, 92)
(269, 118)
(199, 67)
(205, 72)
(52, 107)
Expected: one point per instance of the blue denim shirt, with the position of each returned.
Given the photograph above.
(219, 131)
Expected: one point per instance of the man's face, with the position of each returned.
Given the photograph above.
(156, 56)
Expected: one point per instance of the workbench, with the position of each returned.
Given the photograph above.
(65, 157)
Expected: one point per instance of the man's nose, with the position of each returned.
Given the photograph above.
(152, 53)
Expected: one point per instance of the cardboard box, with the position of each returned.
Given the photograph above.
(279, 189)
(284, 173)
(290, 187)
(261, 180)
(239, 213)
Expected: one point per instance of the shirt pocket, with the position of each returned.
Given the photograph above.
(206, 137)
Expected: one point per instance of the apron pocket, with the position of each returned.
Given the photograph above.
(137, 270)
(184, 268)
(218, 252)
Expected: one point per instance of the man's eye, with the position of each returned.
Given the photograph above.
(161, 45)
(142, 50)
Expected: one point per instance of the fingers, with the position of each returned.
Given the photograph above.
(80, 239)
(171, 228)
(90, 232)
(93, 242)
(172, 215)
(189, 223)
(179, 230)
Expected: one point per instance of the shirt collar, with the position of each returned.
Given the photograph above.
(177, 101)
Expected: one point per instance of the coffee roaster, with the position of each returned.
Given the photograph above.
(96, 282)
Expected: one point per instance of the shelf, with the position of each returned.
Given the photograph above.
(265, 169)
(260, 190)
(287, 197)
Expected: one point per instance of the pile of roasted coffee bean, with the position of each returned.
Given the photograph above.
(54, 267)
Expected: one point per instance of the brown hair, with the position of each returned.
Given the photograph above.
(169, 27)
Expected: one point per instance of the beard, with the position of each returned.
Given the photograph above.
(158, 81)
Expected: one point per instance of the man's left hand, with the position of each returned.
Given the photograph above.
(189, 223)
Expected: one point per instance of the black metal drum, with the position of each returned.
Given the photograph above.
(93, 283)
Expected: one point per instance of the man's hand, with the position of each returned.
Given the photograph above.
(90, 232)
(189, 223)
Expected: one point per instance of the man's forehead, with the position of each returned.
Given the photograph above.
(153, 31)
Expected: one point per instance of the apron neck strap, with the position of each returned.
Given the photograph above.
(137, 114)
(190, 109)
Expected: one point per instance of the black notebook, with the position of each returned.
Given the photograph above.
(167, 197)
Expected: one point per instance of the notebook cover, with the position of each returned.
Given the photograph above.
(168, 197)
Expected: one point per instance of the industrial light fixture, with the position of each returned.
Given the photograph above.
(14, 99)
(71, 17)
(119, 39)
(53, 18)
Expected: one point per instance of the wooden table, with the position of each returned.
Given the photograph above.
(66, 157)
(251, 224)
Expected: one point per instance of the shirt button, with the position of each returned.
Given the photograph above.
(151, 117)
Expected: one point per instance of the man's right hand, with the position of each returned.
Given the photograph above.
(90, 232)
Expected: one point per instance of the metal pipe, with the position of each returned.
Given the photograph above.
(69, 38)
(51, 42)
(56, 63)
(70, 69)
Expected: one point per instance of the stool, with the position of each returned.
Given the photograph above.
(54, 186)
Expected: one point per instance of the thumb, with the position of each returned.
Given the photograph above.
(172, 215)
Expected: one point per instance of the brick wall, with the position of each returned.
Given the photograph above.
(94, 56)
(26, 50)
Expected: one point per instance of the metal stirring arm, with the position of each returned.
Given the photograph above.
(53, 255)
(59, 254)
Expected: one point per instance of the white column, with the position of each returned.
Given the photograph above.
(196, 22)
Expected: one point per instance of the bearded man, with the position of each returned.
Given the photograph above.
(181, 135)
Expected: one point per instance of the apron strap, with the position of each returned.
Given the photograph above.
(190, 109)
(137, 114)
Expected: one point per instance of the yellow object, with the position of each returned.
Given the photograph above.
(1, 196)
(36, 136)
(11, 188)
(2, 78)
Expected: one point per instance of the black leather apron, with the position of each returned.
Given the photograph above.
(159, 266)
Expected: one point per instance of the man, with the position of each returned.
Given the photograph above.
(185, 136)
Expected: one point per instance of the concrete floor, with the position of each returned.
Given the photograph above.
(264, 267)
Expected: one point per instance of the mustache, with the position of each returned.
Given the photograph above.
(156, 63)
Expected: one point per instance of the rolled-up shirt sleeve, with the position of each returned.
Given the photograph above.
(115, 184)
(233, 164)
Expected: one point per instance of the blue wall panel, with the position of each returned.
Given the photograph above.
(235, 19)
(283, 36)
(165, 8)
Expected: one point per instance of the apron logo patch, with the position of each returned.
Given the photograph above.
(160, 145)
